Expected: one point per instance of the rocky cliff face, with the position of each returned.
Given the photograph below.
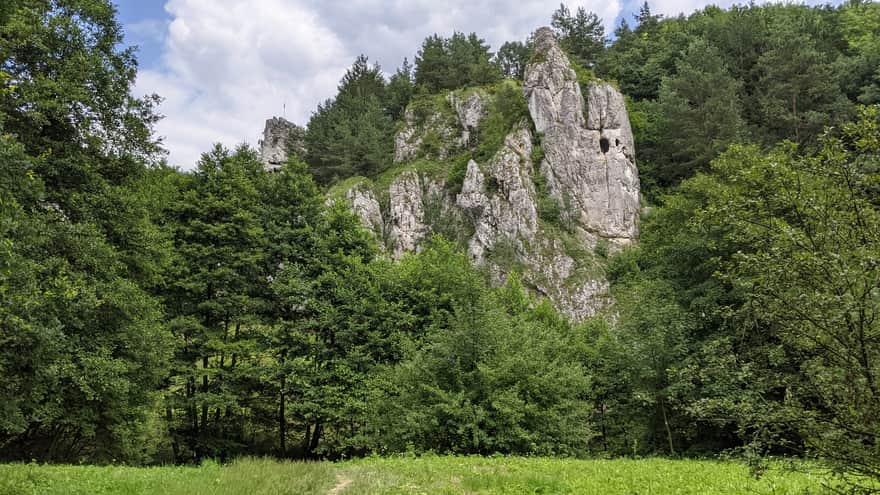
(589, 162)
(440, 134)
(281, 138)
(500, 199)
(587, 170)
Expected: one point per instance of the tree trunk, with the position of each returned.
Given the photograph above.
(316, 437)
(205, 390)
(282, 420)
(308, 438)
(169, 418)
(666, 425)
(604, 431)
(235, 339)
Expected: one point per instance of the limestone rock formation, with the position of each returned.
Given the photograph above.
(409, 142)
(367, 208)
(588, 169)
(407, 220)
(500, 200)
(588, 159)
(470, 111)
(281, 138)
(450, 129)
(551, 86)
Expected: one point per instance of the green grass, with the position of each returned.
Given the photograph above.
(431, 168)
(340, 189)
(430, 475)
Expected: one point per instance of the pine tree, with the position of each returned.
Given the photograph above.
(512, 58)
(798, 89)
(702, 111)
(581, 34)
(400, 90)
(352, 134)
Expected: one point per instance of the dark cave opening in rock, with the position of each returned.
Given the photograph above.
(603, 143)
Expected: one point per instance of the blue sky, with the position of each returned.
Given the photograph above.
(225, 66)
(145, 23)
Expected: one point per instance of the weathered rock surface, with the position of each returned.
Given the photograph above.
(281, 139)
(407, 220)
(408, 143)
(450, 133)
(576, 290)
(551, 86)
(470, 111)
(365, 205)
(588, 160)
(501, 202)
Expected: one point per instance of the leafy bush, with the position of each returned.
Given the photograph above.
(507, 109)
(468, 387)
(457, 173)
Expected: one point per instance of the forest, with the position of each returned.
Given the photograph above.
(150, 315)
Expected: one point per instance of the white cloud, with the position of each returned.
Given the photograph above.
(148, 29)
(227, 65)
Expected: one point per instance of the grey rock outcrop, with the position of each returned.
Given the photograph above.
(407, 220)
(500, 198)
(588, 168)
(588, 162)
(470, 111)
(450, 131)
(408, 143)
(551, 86)
(365, 205)
(281, 138)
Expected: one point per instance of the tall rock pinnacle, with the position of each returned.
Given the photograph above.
(589, 163)
(281, 138)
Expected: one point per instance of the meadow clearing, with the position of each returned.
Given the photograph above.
(424, 475)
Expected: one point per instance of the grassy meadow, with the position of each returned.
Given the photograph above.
(426, 475)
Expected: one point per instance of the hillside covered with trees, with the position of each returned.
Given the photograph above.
(150, 315)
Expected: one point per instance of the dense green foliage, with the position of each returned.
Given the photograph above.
(411, 475)
(455, 62)
(507, 110)
(512, 58)
(747, 74)
(581, 34)
(84, 346)
(466, 387)
(351, 134)
(151, 315)
(755, 288)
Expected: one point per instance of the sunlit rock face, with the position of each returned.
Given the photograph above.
(589, 160)
(454, 131)
(499, 198)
